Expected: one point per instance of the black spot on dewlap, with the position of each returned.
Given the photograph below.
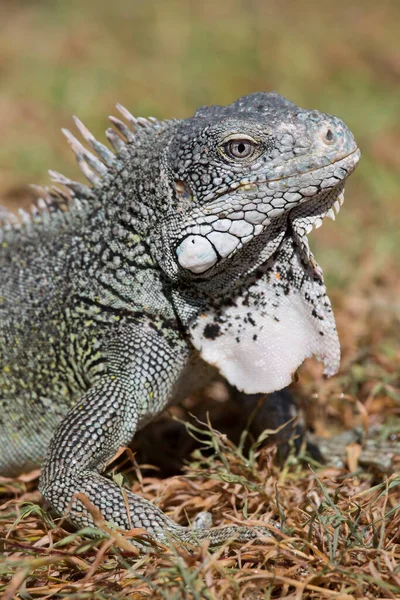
(211, 331)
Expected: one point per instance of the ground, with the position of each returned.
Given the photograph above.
(336, 529)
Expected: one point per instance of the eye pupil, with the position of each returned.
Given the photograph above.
(239, 148)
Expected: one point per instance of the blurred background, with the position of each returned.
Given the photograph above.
(164, 59)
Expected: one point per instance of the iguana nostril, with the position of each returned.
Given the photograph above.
(329, 136)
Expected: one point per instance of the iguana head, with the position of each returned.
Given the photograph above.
(241, 174)
(249, 182)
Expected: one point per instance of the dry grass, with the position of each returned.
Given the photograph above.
(338, 537)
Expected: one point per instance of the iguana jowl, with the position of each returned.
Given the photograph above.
(188, 248)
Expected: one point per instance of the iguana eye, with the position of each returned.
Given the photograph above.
(239, 148)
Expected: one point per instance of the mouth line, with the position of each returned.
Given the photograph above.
(254, 184)
(333, 162)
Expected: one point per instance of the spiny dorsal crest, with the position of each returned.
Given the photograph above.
(7, 218)
(95, 164)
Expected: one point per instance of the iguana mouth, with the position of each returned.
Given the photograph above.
(226, 226)
(315, 170)
(248, 184)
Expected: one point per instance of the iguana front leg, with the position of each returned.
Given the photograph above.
(144, 365)
(105, 419)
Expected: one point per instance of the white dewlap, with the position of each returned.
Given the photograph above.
(263, 335)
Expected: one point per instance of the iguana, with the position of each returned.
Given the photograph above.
(186, 256)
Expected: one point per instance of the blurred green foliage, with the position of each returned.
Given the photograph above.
(59, 58)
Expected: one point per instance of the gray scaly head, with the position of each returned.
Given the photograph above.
(250, 181)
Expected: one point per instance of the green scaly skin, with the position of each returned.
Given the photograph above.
(189, 248)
